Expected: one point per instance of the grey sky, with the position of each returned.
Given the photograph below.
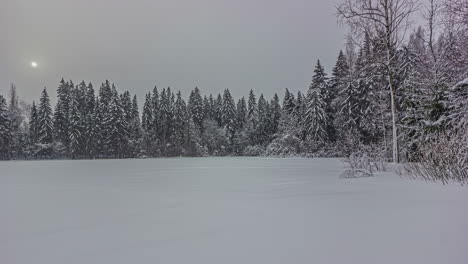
(265, 45)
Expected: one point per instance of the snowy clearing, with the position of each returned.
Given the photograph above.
(224, 210)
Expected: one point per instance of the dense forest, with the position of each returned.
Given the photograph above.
(399, 98)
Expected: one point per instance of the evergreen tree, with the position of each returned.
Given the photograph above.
(206, 108)
(180, 125)
(62, 114)
(154, 128)
(33, 124)
(16, 120)
(134, 127)
(99, 141)
(147, 117)
(316, 116)
(195, 106)
(116, 142)
(45, 124)
(289, 104)
(229, 118)
(275, 114)
(76, 129)
(263, 121)
(5, 130)
(218, 109)
(252, 119)
(166, 118)
(89, 132)
(241, 112)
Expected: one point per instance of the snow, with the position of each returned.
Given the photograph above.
(224, 210)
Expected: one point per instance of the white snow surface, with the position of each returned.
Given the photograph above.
(224, 210)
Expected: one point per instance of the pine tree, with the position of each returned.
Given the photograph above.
(289, 104)
(16, 120)
(195, 106)
(194, 146)
(241, 113)
(316, 116)
(99, 141)
(207, 108)
(33, 124)
(154, 128)
(116, 142)
(263, 121)
(166, 117)
(76, 129)
(45, 124)
(147, 117)
(180, 125)
(229, 118)
(5, 130)
(62, 114)
(275, 114)
(218, 109)
(252, 119)
(212, 108)
(135, 133)
(252, 105)
(89, 131)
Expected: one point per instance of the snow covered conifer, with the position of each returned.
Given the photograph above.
(33, 124)
(45, 124)
(5, 132)
(218, 109)
(195, 106)
(241, 112)
(289, 104)
(275, 114)
(76, 129)
(316, 116)
(229, 117)
(180, 125)
(147, 116)
(62, 113)
(114, 120)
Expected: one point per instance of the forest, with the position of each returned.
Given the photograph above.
(390, 96)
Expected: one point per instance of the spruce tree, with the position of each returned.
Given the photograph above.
(62, 114)
(89, 132)
(116, 142)
(289, 104)
(5, 130)
(180, 125)
(229, 118)
(147, 116)
(275, 114)
(218, 109)
(241, 112)
(155, 125)
(316, 116)
(135, 133)
(16, 120)
(45, 124)
(33, 124)
(195, 106)
(76, 129)
(252, 119)
(263, 121)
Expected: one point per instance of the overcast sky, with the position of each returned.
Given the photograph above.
(265, 45)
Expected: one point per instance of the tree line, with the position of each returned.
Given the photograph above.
(394, 95)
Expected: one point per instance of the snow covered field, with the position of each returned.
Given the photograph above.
(224, 210)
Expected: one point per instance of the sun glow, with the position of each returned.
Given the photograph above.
(34, 64)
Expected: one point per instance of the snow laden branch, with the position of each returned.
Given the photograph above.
(389, 20)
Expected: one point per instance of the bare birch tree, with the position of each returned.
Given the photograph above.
(390, 18)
